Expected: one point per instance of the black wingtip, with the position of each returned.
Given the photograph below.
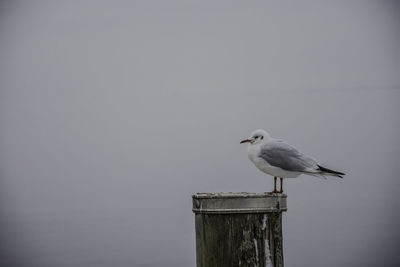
(338, 174)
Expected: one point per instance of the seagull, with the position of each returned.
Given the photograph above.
(279, 159)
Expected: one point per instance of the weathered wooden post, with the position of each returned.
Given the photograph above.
(239, 229)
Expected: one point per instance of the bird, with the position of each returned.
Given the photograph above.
(280, 159)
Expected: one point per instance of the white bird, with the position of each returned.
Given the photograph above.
(279, 159)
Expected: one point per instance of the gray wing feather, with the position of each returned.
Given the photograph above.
(280, 154)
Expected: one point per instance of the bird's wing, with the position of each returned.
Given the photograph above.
(280, 154)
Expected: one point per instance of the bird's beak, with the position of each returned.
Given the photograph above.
(245, 141)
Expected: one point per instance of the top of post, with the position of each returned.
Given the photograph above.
(238, 202)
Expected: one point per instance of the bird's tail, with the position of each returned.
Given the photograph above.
(325, 171)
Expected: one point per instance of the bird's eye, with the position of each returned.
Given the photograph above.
(262, 137)
(256, 136)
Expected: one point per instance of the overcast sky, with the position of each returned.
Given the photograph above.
(112, 113)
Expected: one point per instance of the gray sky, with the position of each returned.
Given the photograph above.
(113, 113)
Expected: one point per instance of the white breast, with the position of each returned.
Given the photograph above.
(254, 150)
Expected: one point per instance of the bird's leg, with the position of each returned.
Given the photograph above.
(281, 185)
(275, 191)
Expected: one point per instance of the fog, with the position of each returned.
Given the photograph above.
(113, 113)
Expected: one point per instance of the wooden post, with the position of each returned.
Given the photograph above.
(239, 229)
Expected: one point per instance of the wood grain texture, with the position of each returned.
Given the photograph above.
(229, 240)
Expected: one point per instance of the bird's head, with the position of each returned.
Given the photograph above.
(257, 137)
